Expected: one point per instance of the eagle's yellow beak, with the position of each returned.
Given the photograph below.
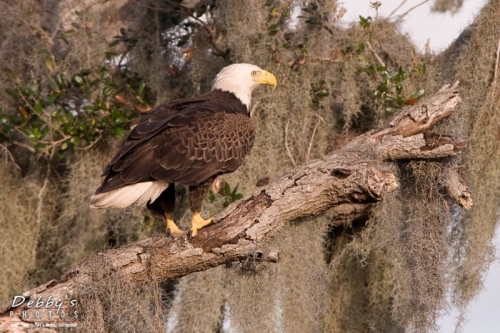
(267, 78)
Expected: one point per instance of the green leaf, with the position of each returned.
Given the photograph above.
(360, 48)
(233, 192)
(110, 54)
(52, 98)
(64, 38)
(227, 189)
(132, 42)
(274, 27)
(322, 93)
(108, 90)
(37, 133)
(39, 147)
(419, 94)
(11, 92)
(45, 131)
(114, 43)
(142, 85)
(307, 10)
(49, 63)
(85, 72)
(118, 131)
(117, 116)
(74, 140)
(38, 108)
(77, 80)
(327, 28)
(60, 81)
(365, 22)
(367, 70)
(27, 90)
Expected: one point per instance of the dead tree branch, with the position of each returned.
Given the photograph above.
(349, 182)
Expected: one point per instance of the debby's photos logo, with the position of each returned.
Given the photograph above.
(45, 312)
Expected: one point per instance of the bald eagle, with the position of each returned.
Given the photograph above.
(190, 142)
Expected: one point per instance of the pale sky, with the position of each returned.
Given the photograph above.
(420, 24)
(441, 29)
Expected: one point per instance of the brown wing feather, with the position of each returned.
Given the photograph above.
(185, 144)
(151, 124)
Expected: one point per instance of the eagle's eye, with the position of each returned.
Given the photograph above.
(254, 73)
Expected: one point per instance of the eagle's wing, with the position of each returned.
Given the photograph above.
(185, 146)
(150, 125)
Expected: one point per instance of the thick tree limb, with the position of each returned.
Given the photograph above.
(350, 181)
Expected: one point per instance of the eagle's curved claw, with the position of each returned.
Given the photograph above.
(198, 222)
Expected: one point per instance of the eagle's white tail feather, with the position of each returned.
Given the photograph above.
(153, 192)
(127, 195)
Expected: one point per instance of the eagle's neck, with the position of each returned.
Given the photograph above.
(235, 104)
(241, 91)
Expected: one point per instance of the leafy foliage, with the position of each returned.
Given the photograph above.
(390, 88)
(70, 110)
(229, 195)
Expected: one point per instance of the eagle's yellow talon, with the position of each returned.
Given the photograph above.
(198, 222)
(173, 228)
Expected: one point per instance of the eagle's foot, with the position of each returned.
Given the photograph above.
(197, 222)
(173, 229)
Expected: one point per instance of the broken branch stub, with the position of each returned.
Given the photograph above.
(422, 117)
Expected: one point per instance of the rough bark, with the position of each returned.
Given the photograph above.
(348, 183)
(457, 189)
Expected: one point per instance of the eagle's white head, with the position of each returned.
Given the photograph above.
(242, 79)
